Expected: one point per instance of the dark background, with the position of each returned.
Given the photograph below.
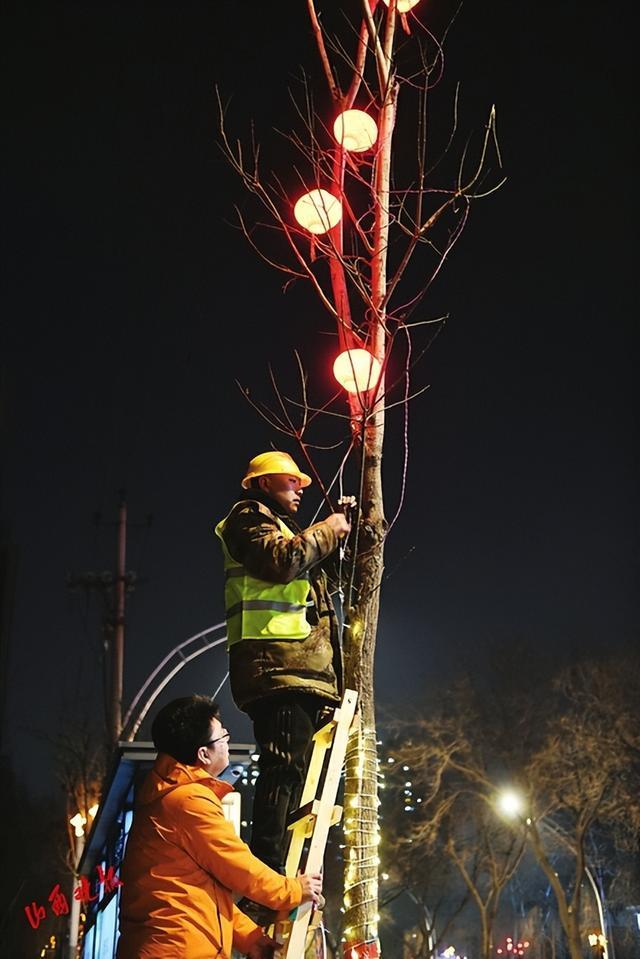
(131, 306)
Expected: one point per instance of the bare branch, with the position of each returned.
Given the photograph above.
(324, 59)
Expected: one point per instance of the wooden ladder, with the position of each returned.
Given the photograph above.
(313, 819)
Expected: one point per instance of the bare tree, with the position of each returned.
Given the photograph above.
(391, 207)
(585, 778)
(80, 761)
(426, 877)
(451, 809)
(576, 782)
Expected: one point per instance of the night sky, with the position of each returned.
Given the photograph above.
(131, 306)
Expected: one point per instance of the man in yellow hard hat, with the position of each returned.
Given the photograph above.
(285, 660)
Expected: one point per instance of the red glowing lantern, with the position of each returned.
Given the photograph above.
(318, 211)
(357, 370)
(403, 6)
(355, 130)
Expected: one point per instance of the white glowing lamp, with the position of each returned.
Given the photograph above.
(78, 822)
(403, 6)
(355, 130)
(510, 803)
(318, 211)
(356, 370)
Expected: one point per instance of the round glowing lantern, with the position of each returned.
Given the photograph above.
(356, 370)
(355, 130)
(403, 6)
(318, 211)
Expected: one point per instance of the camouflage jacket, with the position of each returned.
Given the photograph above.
(260, 668)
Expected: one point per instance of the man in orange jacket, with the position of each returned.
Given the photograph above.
(183, 858)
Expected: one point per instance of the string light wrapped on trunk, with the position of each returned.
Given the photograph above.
(356, 370)
(355, 130)
(318, 211)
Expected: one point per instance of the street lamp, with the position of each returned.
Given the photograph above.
(511, 803)
(79, 821)
(596, 939)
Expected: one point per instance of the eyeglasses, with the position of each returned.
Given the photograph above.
(220, 739)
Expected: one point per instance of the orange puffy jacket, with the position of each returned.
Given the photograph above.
(182, 861)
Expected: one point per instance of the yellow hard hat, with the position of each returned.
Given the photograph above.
(265, 464)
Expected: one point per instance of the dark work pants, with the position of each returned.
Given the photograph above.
(283, 726)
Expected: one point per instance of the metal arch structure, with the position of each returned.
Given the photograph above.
(166, 669)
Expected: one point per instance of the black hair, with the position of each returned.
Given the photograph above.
(183, 725)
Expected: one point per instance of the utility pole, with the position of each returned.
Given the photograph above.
(117, 668)
(114, 589)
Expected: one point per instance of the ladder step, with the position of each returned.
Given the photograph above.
(303, 819)
(324, 735)
(308, 811)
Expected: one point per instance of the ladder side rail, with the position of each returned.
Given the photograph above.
(298, 832)
(294, 947)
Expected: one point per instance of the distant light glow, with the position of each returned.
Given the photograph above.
(510, 803)
(78, 822)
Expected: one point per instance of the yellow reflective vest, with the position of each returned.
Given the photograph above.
(258, 609)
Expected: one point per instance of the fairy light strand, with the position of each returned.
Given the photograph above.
(362, 839)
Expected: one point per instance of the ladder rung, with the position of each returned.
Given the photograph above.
(303, 819)
(308, 811)
(326, 732)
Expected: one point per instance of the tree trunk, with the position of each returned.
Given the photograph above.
(485, 948)
(572, 931)
(361, 776)
(488, 922)
(568, 912)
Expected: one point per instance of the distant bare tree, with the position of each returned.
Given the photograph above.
(80, 763)
(428, 879)
(578, 782)
(451, 809)
(585, 777)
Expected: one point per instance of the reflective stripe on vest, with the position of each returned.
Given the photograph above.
(258, 609)
(249, 604)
